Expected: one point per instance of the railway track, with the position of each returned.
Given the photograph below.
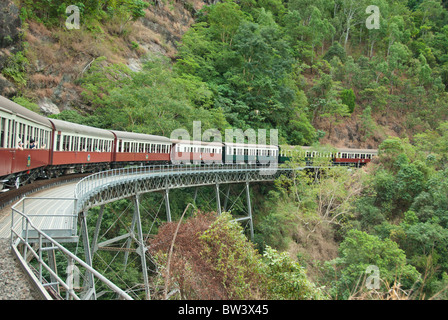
(15, 194)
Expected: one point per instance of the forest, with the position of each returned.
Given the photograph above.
(315, 71)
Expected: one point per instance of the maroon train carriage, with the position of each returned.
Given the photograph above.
(25, 141)
(80, 148)
(138, 148)
(196, 152)
(357, 157)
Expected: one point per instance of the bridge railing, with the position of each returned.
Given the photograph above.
(104, 178)
(20, 240)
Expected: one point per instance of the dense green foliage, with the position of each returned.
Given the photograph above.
(292, 65)
(392, 216)
(52, 12)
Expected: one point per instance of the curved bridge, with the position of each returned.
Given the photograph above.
(108, 186)
(105, 187)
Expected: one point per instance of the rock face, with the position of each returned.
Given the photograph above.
(10, 41)
(58, 58)
(47, 107)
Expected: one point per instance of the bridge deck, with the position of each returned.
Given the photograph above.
(50, 210)
(53, 211)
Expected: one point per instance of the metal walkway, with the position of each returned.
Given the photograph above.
(50, 210)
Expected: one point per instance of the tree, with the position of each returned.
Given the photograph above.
(286, 279)
(360, 250)
(348, 98)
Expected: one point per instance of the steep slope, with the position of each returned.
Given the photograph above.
(54, 58)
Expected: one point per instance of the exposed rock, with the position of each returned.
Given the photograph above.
(48, 107)
(7, 89)
(10, 25)
(135, 65)
(10, 41)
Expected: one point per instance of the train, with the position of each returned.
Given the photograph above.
(33, 146)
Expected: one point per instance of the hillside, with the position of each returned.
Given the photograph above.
(340, 82)
(315, 70)
(56, 58)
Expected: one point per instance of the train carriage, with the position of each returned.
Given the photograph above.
(339, 156)
(250, 153)
(25, 140)
(77, 146)
(141, 148)
(33, 146)
(355, 157)
(196, 152)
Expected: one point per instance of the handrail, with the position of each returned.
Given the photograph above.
(20, 240)
(104, 177)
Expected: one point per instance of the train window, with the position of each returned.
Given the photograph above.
(64, 145)
(2, 132)
(58, 145)
(88, 145)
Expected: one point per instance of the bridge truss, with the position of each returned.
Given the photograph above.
(106, 187)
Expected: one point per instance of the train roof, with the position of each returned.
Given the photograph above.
(11, 107)
(357, 150)
(141, 137)
(69, 127)
(267, 146)
(348, 150)
(201, 143)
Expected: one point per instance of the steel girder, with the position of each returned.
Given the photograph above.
(139, 184)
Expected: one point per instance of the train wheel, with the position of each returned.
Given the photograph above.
(17, 183)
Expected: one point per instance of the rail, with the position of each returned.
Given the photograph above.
(21, 240)
(116, 176)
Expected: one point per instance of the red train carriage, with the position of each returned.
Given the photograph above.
(356, 157)
(141, 148)
(196, 152)
(79, 147)
(25, 140)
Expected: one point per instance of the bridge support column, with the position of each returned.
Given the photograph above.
(142, 247)
(89, 281)
(94, 246)
(195, 195)
(218, 199)
(167, 205)
(129, 240)
(227, 198)
(249, 210)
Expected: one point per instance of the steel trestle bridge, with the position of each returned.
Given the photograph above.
(39, 226)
